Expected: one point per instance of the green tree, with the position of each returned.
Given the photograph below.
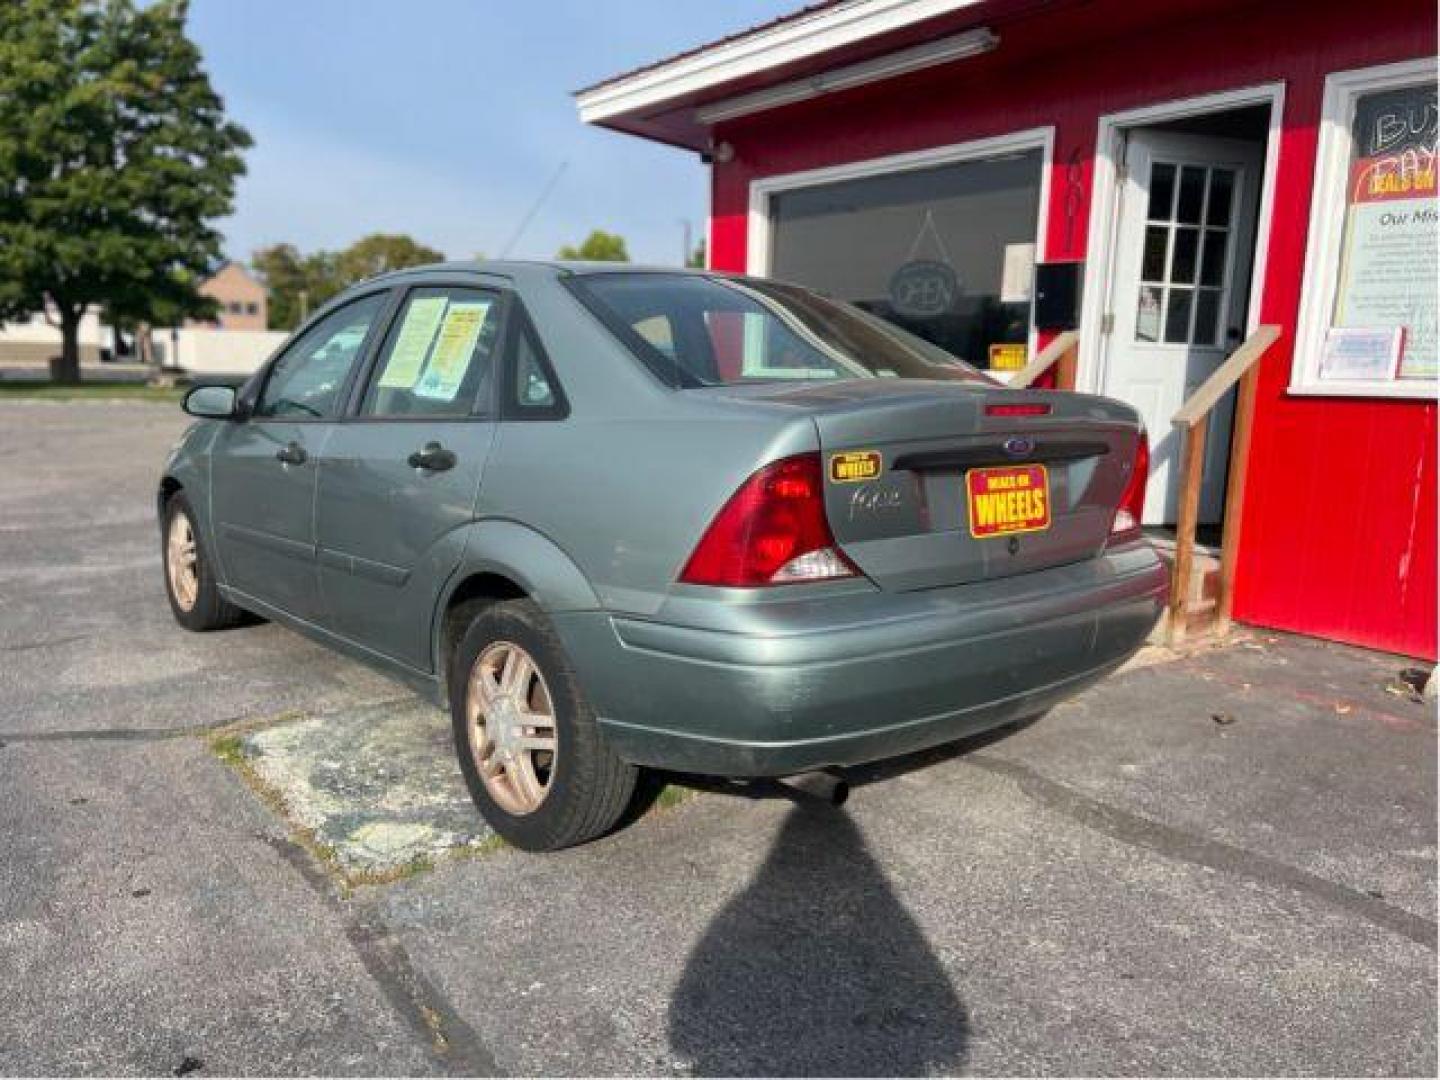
(599, 246)
(380, 253)
(115, 157)
(697, 257)
(297, 284)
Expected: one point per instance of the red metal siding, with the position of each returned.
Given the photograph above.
(1340, 517)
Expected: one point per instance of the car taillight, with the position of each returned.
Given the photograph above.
(1131, 510)
(772, 532)
(1018, 408)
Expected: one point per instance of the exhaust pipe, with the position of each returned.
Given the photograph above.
(827, 787)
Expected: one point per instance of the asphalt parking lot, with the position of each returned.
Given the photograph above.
(1221, 863)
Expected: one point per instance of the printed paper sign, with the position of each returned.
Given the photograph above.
(1361, 354)
(454, 348)
(412, 343)
(1005, 357)
(1017, 273)
(1388, 269)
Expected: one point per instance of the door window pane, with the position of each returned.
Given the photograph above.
(1222, 189)
(1187, 243)
(1177, 316)
(1152, 263)
(305, 382)
(945, 252)
(1212, 269)
(1207, 311)
(1147, 318)
(438, 355)
(1192, 195)
(1162, 191)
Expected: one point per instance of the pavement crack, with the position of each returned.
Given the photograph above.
(228, 725)
(455, 1046)
(27, 646)
(1215, 855)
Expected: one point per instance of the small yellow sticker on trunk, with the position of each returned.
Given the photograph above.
(854, 465)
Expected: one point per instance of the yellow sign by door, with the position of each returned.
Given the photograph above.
(1008, 357)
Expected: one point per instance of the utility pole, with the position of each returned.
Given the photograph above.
(685, 248)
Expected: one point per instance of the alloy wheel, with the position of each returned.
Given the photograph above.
(511, 727)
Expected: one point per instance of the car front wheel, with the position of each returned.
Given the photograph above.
(195, 599)
(529, 748)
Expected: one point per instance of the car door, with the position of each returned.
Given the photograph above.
(399, 477)
(1181, 283)
(263, 468)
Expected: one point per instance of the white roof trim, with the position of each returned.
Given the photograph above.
(917, 58)
(799, 39)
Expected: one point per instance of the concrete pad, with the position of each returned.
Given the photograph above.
(376, 787)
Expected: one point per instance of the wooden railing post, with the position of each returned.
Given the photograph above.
(1235, 494)
(1191, 423)
(1192, 471)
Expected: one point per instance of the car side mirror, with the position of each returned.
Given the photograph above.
(212, 402)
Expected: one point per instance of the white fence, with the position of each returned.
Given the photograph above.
(209, 353)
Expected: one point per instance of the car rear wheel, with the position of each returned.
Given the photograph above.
(529, 748)
(190, 585)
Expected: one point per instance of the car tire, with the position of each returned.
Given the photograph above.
(504, 718)
(190, 586)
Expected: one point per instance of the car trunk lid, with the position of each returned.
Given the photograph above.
(931, 484)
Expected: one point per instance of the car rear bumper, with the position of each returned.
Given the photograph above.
(862, 677)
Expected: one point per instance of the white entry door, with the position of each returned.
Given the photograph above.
(1183, 256)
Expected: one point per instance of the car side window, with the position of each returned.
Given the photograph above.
(306, 380)
(438, 357)
(533, 392)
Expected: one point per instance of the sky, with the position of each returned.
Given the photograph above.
(445, 119)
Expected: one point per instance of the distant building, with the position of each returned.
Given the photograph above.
(240, 296)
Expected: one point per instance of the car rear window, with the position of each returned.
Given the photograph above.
(696, 330)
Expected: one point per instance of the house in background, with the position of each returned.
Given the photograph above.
(241, 298)
(232, 345)
(1195, 172)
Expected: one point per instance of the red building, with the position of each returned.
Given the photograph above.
(1208, 168)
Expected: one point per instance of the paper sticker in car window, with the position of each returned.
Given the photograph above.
(412, 343)
(454, 350)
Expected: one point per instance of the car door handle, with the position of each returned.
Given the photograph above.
(291, 454)
(433, 458)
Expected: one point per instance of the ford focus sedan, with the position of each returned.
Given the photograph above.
(617, 518)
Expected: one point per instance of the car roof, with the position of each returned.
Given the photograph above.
(522, 268)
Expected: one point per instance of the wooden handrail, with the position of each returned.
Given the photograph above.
(1198, 405)
(1190, 423)
(1063, 345)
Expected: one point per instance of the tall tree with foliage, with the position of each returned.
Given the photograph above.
(115, 157)
(599, 246)
(299, 283)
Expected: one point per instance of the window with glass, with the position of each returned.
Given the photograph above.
(1368, 316)
(723, 331)
(438, 355)
(306, 380)
(947, 252)
(1183, 265)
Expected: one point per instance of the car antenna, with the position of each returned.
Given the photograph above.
(534, 209)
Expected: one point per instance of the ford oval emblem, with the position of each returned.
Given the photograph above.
(1018, 446)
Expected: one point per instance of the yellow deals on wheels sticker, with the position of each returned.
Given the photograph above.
(413, 343)
(454, 350)
(854, 465)
(1005, 357)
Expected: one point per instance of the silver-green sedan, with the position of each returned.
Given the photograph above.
(618, 518)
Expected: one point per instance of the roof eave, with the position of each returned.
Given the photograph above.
(654, 102)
